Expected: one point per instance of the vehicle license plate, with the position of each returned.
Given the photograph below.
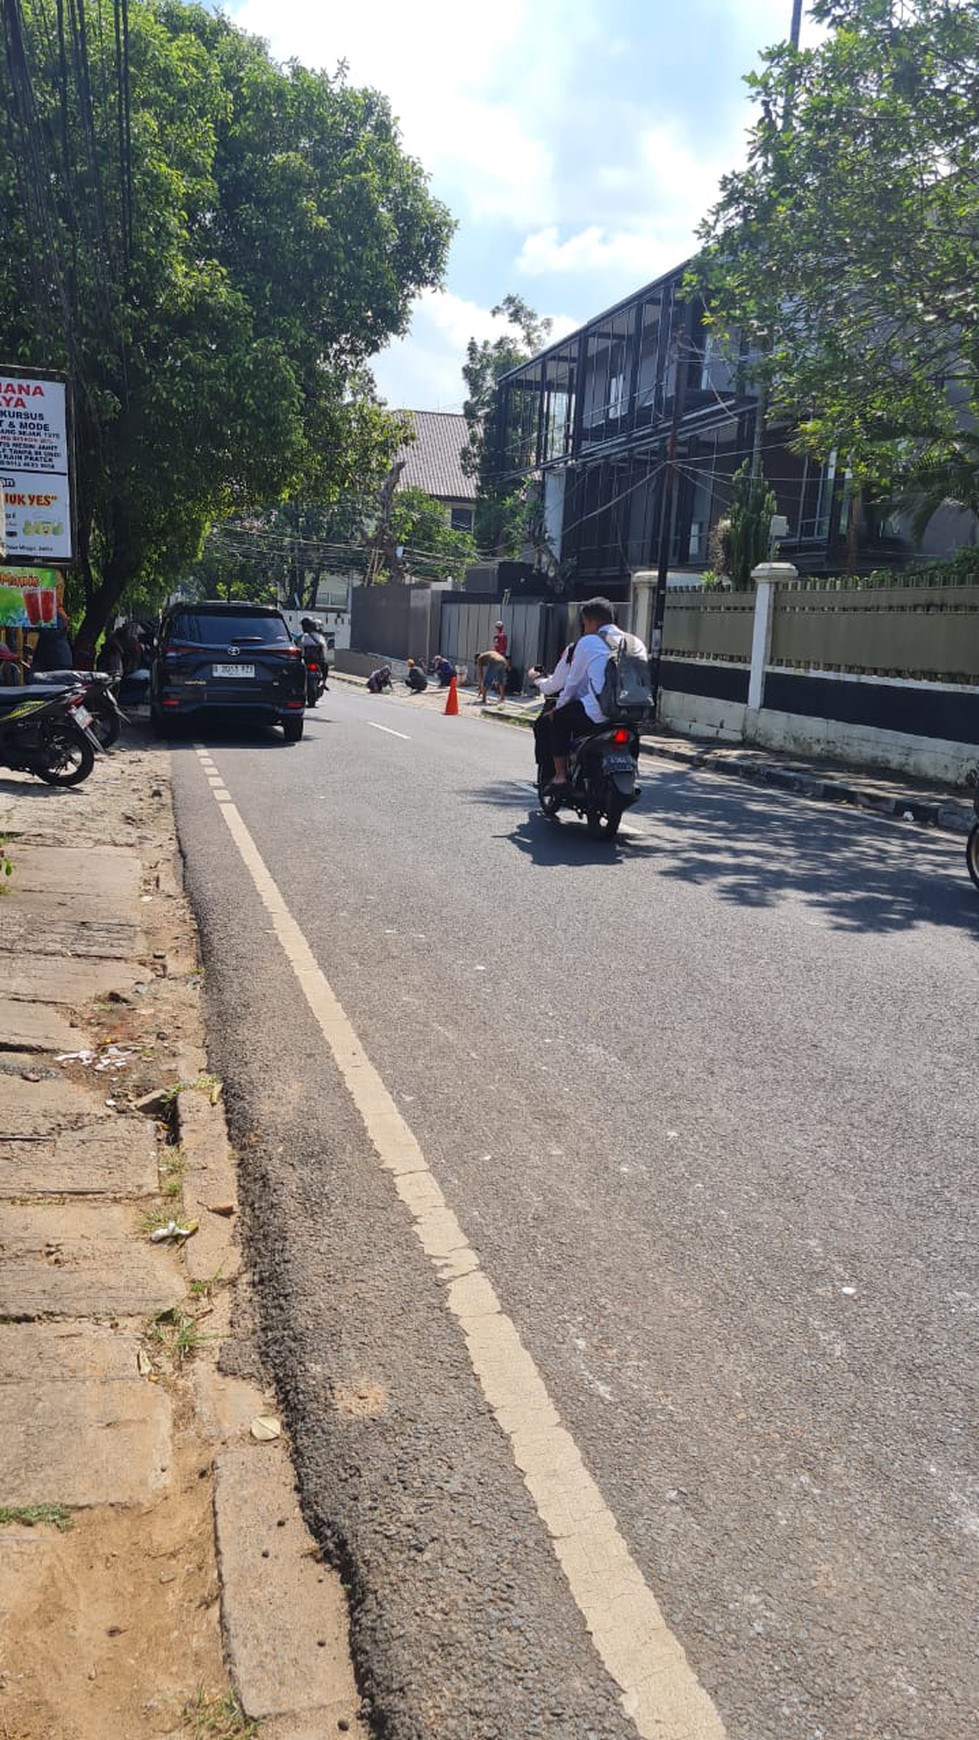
(618, 764)
(83, 717)
(232, 670)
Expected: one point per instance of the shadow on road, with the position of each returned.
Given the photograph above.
(232, 734)
(759, 848)
(564, 840)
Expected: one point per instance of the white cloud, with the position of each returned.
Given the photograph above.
(659, 198)
(520, 112)
(594, 250)
(446, 74)
(423, 370)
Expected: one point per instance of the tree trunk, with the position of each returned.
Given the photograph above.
(118, 571)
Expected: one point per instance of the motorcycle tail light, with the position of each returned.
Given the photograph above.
(621, 736)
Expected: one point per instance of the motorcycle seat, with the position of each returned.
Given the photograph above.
(12, 697)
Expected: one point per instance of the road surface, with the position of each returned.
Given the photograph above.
(700, 1109)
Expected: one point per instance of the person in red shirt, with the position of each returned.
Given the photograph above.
(500, 640)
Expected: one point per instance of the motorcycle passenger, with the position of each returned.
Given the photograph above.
(577, 712)
(550, 687)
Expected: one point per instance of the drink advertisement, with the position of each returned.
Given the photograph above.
(34, 467)
(28, 597)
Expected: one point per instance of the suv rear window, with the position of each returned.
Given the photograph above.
(221, 627)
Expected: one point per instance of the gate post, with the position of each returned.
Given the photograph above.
(766, 576)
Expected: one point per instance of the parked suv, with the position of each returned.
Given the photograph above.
(227, 658)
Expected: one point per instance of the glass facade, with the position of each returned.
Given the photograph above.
(601, 408)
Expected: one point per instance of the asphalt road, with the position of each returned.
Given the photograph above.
(705, 1106)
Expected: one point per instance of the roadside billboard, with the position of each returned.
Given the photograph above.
(28, 597)
(34, 466)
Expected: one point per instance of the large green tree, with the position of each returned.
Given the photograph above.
(841, 265)
(499, 517)
(212, 246)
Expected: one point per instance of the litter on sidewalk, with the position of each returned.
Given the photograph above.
(172, 1230)
(112, 1057)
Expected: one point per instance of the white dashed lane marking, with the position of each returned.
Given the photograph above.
(391, 733)
(659, 1690)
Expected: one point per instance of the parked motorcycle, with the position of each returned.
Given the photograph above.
(48, 735)
(602, 775)
(972, 843)
(98, 690)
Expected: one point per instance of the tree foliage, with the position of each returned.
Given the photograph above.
(500, 508)
(749, 521)
(432, 550)
(212, 260)
(842, 264)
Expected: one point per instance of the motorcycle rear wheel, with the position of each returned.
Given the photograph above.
(972, 854)
(603, 824)
(70, 756)
(106, 725)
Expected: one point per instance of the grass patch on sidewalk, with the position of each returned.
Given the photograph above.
(30, 1515)
(219, 1718)
(177, 1334)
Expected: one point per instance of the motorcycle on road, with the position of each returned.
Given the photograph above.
(603, 771)
(48, 735)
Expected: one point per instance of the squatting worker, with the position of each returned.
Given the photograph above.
(577, 713)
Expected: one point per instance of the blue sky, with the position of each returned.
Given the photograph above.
(577, 142)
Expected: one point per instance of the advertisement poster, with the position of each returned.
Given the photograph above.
(28, 597)
(34, 472)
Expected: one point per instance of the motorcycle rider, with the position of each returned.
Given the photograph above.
(315, 647)
(577, 712)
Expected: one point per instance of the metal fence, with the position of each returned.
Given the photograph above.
(537, 630)
(926, 633)
(708, 625)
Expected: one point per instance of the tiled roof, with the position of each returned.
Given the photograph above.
(432, 459)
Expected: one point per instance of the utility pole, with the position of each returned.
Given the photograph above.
(667, 503)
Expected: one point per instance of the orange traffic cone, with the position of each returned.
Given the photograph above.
(452, 700)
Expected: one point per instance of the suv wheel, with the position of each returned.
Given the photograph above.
(293, 729)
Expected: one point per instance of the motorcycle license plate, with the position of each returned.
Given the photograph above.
(618, 764)
(83, 717)
(232, 670)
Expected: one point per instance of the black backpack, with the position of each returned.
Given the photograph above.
(626, 694)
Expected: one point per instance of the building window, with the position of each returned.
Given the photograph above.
(462, 519)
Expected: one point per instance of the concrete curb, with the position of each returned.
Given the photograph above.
(827, 788)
